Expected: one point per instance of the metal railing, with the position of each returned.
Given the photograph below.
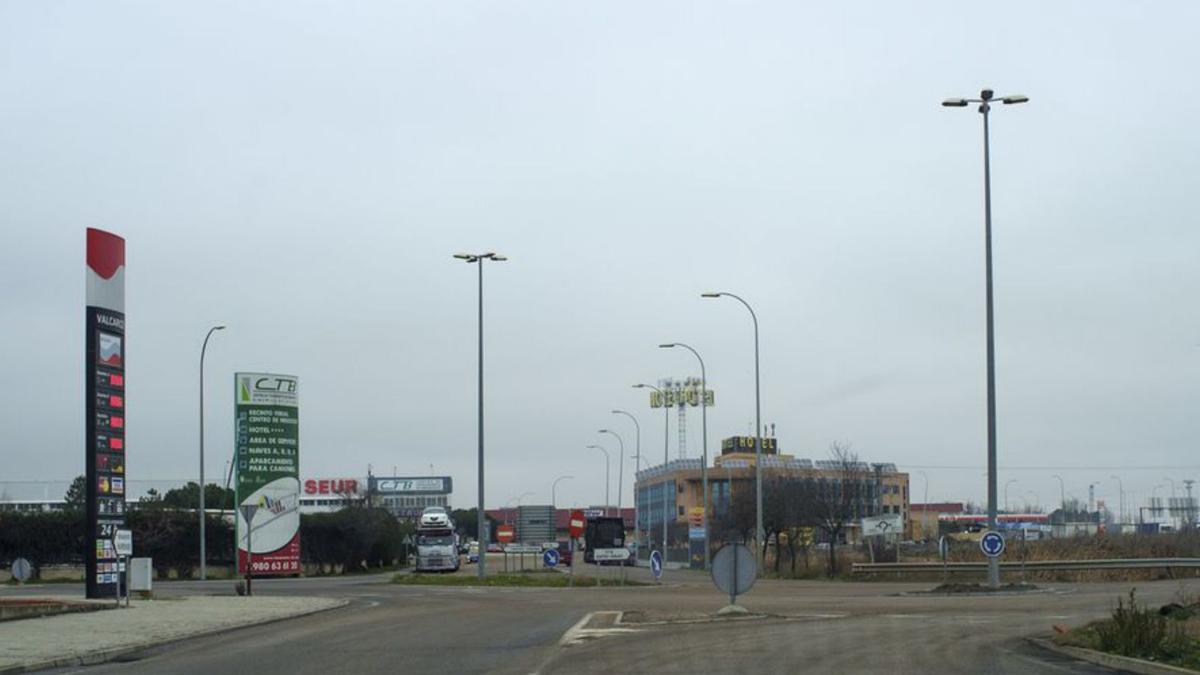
(1032, 565)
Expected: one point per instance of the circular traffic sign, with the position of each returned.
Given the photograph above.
(656, 567)
(992, 544)
(943, 547)
(21, 570)
(734, 569)
(550, 557)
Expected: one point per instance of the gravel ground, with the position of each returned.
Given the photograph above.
(95, 636)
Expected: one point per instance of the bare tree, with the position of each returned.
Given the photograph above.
(840, 497)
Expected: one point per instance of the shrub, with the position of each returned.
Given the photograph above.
(1133, 630)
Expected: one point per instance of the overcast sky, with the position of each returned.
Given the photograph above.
(303, 172)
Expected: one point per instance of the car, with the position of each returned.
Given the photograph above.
(494, 548)
(564, 553)
(473, 552)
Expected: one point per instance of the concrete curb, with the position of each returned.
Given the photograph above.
(106, 655)
(1126, 663)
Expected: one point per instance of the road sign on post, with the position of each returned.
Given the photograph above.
(577, 523)
(21, 570)
(504, 533)
(610, 554)
(734, 570)
(992, 544)
(123, 542)
(550, 557)
(656, 564)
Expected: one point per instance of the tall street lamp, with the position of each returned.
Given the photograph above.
(666, 458)
(607, 504)
(703, 439)
(637, 525)
(758, 504)
(1062, 495)
(553, 486)
(203, 553)
(477, 259)
(984, 101)
(1010, 482)
(620, 469)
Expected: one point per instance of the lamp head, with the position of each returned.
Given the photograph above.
(1015, 98)
(669, 345)
(218, 327)
(987, 94)
(955, 103)
(710, 295)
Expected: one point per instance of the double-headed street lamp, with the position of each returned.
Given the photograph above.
(666, 458)
(703, 439)
(203, 554)
(758, 504)
(606, 477)
(477, 259)
(985, 107)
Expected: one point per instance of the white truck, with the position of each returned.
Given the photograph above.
(437, 543)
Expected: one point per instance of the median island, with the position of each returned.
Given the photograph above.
(538, 579)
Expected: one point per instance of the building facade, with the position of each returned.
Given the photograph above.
(674, 491)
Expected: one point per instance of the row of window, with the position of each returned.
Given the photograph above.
(417, 500)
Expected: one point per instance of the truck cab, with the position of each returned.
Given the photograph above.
(437, 543)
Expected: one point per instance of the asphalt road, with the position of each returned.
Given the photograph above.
(818, 627)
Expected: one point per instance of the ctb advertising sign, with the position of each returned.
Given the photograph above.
(267, 446)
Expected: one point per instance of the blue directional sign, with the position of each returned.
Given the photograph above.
(992, 544)
(656, 564)
(550, 557)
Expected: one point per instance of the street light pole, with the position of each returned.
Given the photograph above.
(703, 440)
(481, 518)
(620, 470)
(637, 524)
(1062, 496)
(553, 497)
(607, 504)
(984, 101)
(759, 534)
(666, 459)
(203, 551)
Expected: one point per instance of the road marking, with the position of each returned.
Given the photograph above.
(579, 632)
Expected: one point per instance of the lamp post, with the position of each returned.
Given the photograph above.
(1010, 482)
(1121, 493)
(553, 486)
(1062, 495)
(637, 524)
(703, 440)
(620, 466)
(477, 259)
(759, 534)
(203, 552)
(606, 481)
(984, 101)
(666, 458)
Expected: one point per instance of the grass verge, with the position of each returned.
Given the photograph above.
(524, 580)
(1170, 635)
